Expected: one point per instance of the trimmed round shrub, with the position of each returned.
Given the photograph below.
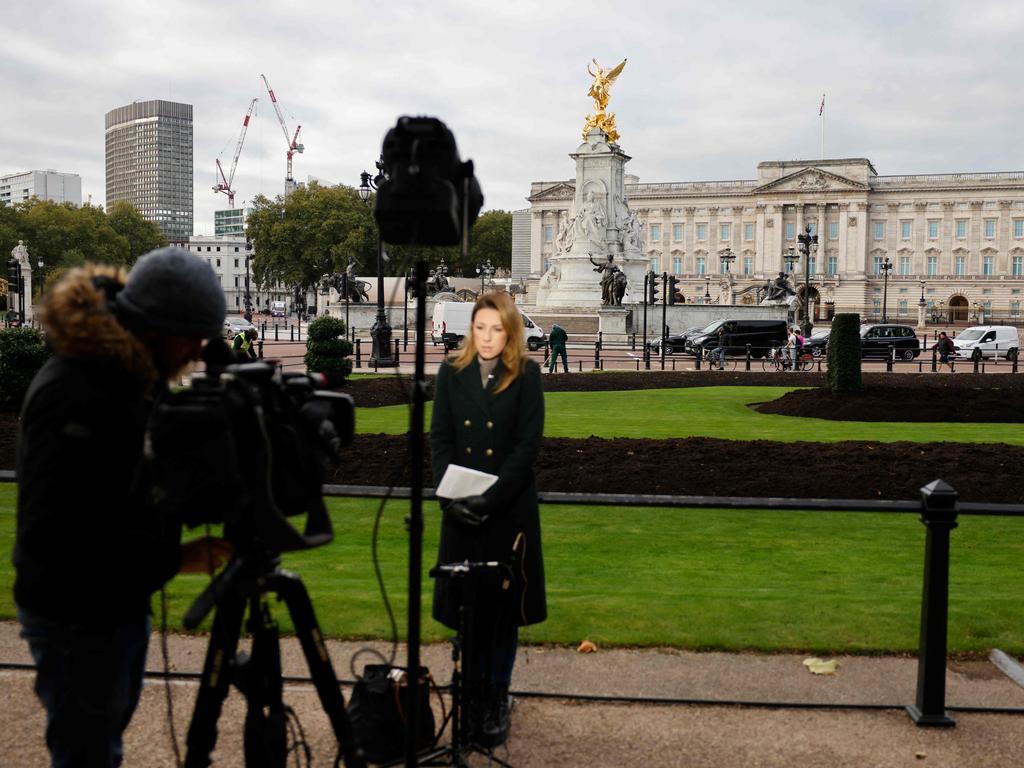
(22, 354)
(844, 353)
(327, 349)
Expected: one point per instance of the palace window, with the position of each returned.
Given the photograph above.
(987, 307)
(833, 265)
(812, 228)
(1014, 309)
(655, 233)
(833, 230)
(986, 265)
(961, 228)
(933, 266)
(549, 233)
(960, 266)
(1018, 227)
(933, 229)
(702, 232)
(812, 264)
(700, 265)
(748, 231)
(990, 227)
(677, 232)
(724, 232)
(748, 265)
(790, 230)
(904, 265)
(655, 264)
(879, 230)
(677, 265)
(901, 307)
(878, 264)
(1017, 266)
(905, 230)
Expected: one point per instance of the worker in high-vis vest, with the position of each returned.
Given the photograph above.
(244, 344)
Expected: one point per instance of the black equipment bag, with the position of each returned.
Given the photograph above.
(378, 707)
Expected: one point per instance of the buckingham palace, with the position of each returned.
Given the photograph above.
(954, 240)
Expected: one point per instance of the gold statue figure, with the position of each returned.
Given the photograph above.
(603, 80)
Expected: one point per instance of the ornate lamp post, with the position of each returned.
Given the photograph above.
(727, 257)
(707, 289)
(886, 268)
(977, 312)
(248, 297)
(807, 243)
(381, 355)
(790, 257)
(486, 272)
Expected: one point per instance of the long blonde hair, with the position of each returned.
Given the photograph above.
(513, 356)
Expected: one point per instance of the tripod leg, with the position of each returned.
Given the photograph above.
(266, 738)
(215, 680)
(291, 590)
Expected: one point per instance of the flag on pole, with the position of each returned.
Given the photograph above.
(821, 109)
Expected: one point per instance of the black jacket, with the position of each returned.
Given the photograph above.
(499, 434)
(88, 551)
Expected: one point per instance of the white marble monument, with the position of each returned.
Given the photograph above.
(20, 255)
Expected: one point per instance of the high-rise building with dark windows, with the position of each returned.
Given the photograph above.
(149, 163)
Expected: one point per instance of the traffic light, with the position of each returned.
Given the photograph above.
(652, 288)
(672, 290)
(13, 274)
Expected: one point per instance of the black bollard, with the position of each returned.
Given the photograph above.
(359, 353)
(976, 361)
(597, 354)
(275, 331)
(291, 332)
(633, 343)
(938, 513)
(259, 348)
(397, 343)
(748, 357)
(935, 360)
(890, 358)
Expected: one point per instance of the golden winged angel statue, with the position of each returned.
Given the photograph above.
(599, 89)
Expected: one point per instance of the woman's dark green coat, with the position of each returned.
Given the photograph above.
(499, 434)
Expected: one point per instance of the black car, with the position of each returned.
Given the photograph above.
(817, 343)
(878, 340)
(674, 342)
(759, 335)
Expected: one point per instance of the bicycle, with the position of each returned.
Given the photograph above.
(710, 358)
(778, 359)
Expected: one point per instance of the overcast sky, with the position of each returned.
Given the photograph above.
(710, 89)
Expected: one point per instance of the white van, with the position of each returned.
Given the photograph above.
(987, 341)
(278, 309)
(450, 323)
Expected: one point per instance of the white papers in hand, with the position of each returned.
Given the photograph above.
(459, 482)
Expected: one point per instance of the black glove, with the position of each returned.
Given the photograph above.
(470, 512)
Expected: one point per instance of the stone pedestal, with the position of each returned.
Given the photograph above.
(601, 226)
(921, 308)
(613, 320)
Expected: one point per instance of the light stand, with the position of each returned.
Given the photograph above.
(380, 355)
(248, 296)
(807, 242)
(885, 267)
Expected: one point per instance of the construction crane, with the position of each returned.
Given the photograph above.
(224, 183)
(293, 143)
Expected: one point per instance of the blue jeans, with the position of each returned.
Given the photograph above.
(720, 354)
(89, 680)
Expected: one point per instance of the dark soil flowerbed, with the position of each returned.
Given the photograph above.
(703, 466)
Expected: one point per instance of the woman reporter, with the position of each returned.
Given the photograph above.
(489, 416)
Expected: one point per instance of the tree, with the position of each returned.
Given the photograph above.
(491, 238)
(844, 353)
(142, 236)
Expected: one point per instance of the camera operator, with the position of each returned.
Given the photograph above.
(489, 415)
(91, 546)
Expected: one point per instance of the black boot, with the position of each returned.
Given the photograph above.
(497, 717)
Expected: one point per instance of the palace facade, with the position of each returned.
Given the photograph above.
(957, 239)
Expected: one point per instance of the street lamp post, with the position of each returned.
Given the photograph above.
(707, 289)
(790, 257)
(486, 272)
(727, 257)
(807, 243)
(886, 267)
(380, 355)
(405, 311)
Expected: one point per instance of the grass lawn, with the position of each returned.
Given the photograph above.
(721, 412)
(722, 579)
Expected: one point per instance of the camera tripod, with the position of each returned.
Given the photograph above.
(456, 753)
(258, 675)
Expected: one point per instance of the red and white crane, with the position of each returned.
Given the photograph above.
(224, 183)
(293, 143)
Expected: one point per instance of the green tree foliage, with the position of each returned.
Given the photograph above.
(22, 354)
(844, 353)
(142, 236)
(327, 350)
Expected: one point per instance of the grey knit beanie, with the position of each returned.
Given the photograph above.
(173, 292)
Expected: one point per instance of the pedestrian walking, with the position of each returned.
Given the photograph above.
(557, 340)
(791, 349)
(945, 349)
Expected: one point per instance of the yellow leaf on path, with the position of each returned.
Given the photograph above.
(819, 667)
(587, 647)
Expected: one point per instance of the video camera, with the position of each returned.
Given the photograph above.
(249, 446)
(425, 194)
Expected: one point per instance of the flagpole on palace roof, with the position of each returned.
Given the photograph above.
(821, 114)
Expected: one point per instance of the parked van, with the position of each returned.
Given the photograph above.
(761, 335)
(450, 323)
(278, 309)
(988, 341)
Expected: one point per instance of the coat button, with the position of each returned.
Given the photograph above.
(469, 450)
(489, 452)
(490, 425)
(467, 423)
